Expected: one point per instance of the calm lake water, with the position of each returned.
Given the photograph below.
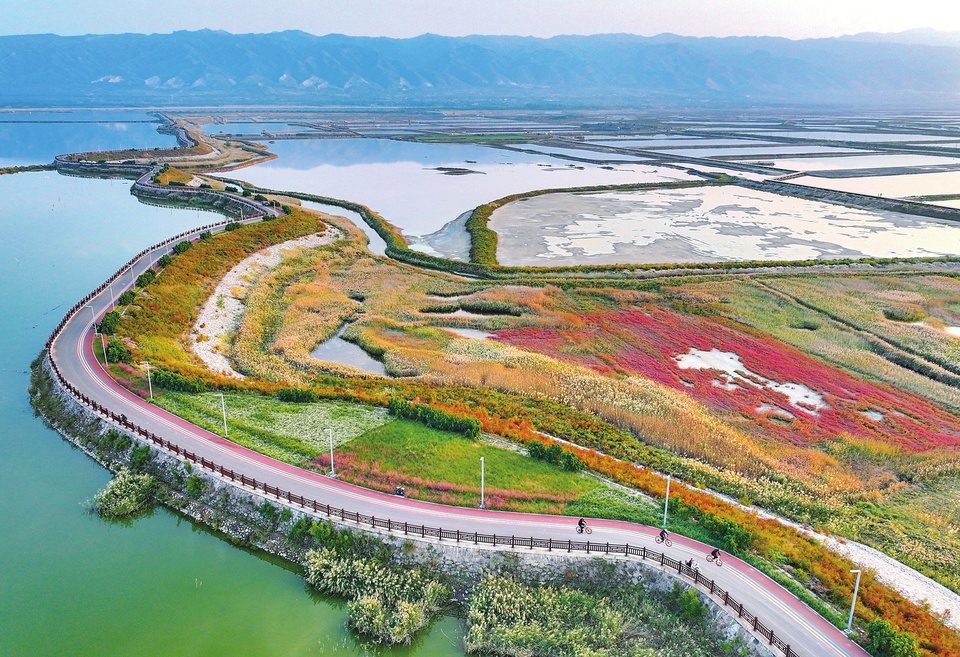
(400, 179)
(338, 350)
(71, 583)
(38, 137)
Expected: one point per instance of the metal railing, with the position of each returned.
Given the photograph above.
(423, 531)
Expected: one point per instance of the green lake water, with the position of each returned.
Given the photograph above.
(70, 583)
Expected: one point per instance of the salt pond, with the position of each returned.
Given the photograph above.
(583, 154)
(864, 137)
(875, 161)
(758, 150)
(399, 179)
(705, 224)
(918, 184)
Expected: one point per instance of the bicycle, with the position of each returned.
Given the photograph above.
(585, 529)
(713, 559)
(665, 541)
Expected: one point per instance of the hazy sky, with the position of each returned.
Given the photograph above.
(794, 19)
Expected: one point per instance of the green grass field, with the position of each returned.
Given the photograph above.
(294, 433)
(444, 467)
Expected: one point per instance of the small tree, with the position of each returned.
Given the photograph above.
(884, 641)
(117, 352)
(182, 247)
(146, 278)
(110, 322)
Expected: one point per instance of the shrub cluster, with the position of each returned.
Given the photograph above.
(904, 313)
(110, 322)
(297, 395)
(182, 247)
(125, 495)
(434, 418)
(146, 278)
(177, 382)
(556, 455)
(884, 641)
(387, 603)
(117, 352)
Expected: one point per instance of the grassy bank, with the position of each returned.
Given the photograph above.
(443, 467)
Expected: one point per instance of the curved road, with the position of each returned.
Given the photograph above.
(808, 634)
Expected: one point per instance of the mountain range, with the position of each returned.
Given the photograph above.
(916, 70)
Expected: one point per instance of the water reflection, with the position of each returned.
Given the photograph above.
(376, 244)
(399, 180)
(38, 137)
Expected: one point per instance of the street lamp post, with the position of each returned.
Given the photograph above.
(853, 603)
(666, 500)
(103, 345)
(149, 381)
(333, 472)
(223, 408)
(481, 482)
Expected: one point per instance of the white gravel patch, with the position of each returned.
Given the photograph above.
(221, 314)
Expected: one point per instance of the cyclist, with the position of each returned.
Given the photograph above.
(581, 525)
(715, 554)
(664, 535)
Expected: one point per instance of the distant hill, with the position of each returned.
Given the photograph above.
(612, 70)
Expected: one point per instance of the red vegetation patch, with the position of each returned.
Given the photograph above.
(647, 342)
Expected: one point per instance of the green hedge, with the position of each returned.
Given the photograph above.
(146, 278)
(556, 455)
(297, 395)
(176, 382)
(435, 418)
